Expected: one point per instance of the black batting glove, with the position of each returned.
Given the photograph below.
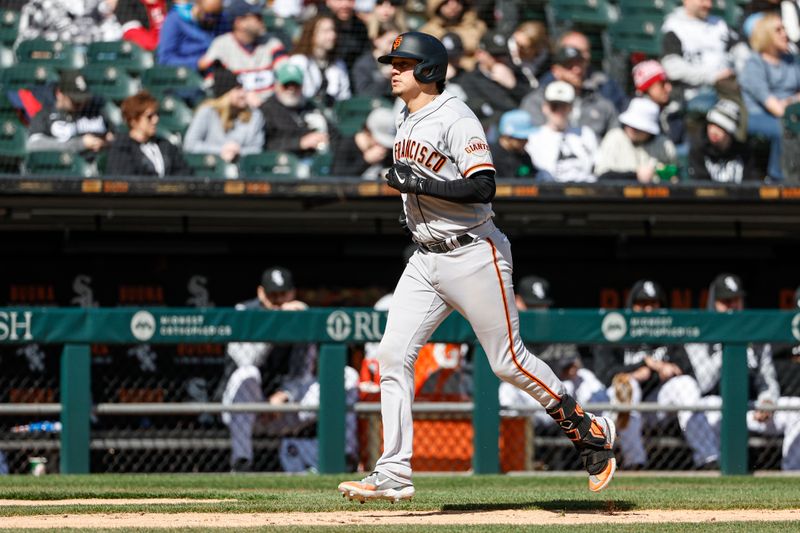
(401, 177)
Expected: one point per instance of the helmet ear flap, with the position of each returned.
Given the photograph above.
(425, 73)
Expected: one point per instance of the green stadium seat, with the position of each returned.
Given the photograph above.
(532, 10)
(26, 76)
(9, 27)
(284, 27)
(12, 141)
(121, 54)
(649, 8)
(637, 34)
(174, 115)
(321, 164)
(581, 13)
(791, 119)
(207, 165)
(727, 10)
(65, 164)
(112, 83)
(55, 54)
(163, 79)
(270, 165)
(351, 114)
(113, 113)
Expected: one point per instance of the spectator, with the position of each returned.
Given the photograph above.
(139, 152)
(247, 51)
(716, 155)
(508, 153)
(562, 152)
(457, 16)
(292, 123)
(659, 373)
(529, 49)
(650, 81)
(726, 295)
(141, 21)
(369, 151)
(352, 39)
(69, 21)
(636, 150)
(279, 373)
(226, 126)
(697, 54)
(455, 51)
(386, 13)
(593, 79)
(189, 30)
(590, 109)
(74, 123)
(493, 87)
(770, 82)
(325, 78)
(371, 78)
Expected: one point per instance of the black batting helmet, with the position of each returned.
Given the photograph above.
(427, 49)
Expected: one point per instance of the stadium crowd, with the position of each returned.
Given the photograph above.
(292, 89)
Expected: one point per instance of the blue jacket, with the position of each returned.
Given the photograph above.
(183, 42)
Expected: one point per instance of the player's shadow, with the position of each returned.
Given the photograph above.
(556, 506)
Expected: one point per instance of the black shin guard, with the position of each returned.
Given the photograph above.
(579, 428)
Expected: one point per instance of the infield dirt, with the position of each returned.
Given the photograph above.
(228, 520)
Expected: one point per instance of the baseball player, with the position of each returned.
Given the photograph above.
(443, 168)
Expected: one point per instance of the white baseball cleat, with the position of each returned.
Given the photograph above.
(376, 486)
(602, 427)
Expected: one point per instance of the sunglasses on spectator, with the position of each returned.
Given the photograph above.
(151, 115)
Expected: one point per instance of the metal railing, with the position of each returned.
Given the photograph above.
(335, 328)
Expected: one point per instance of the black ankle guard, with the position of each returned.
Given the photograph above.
(569, 415)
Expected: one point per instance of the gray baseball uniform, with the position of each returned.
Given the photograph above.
(444, 141)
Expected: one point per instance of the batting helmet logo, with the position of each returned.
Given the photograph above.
(397, 42)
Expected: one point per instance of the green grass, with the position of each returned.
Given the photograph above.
(275, 493)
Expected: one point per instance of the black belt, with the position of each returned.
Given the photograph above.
(447, 245)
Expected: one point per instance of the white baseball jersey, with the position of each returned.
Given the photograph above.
(442, 141)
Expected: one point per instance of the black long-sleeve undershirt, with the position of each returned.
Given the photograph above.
(477, 189)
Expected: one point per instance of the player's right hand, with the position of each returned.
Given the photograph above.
(401, 177)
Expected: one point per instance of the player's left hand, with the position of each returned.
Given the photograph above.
(401, 177)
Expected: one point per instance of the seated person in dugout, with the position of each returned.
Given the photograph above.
(652, 373)
(726, 295)
(278, 373)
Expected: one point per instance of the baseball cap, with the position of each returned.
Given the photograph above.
(534, 290)
(380, 123)
(646, 73)
(566, 54)
(453, 44)
(277, 279)
(647, 290)
(560, 91)
(727, 286)
(224, 81)
(494, 43)
(642, 114)
(289, 73)
(516, 123)
(242, 8)
(725, 114)
(73, 85)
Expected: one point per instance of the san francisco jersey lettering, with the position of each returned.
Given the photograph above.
(442, 141)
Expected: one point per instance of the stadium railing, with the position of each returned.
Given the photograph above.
(335, 328)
